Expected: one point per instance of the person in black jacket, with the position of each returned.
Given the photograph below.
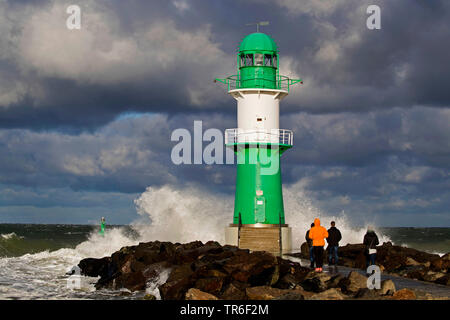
(310, 246)
(371, 242)
(334, 236)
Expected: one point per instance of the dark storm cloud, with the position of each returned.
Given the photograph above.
(161, 56)
(382, 155)
(418, 135)
(127, 155)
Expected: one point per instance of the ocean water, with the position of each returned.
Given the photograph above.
(34, 258)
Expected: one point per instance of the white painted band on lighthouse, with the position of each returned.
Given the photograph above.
(258, 110)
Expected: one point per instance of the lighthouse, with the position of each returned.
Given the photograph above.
(258, 142)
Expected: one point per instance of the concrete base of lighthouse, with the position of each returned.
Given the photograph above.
(260, 237)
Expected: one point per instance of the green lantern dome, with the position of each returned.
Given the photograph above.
(258, 65)
(258, 41)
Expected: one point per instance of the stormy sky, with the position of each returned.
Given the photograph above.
(86, 115)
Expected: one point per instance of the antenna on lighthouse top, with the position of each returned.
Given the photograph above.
(261, 23)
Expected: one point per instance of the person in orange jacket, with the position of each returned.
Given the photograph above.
(318, 234)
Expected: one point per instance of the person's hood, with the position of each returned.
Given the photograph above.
(316, 222)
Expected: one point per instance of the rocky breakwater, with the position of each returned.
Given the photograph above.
(209, 271)
(396, 260)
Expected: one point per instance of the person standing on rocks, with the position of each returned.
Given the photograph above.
(371, 242)
(334, 236)
(318, 234)
(310, 247)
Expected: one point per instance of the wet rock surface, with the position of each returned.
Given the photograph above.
(198, 271)
(396, 260)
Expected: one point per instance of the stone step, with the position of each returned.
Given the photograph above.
(260, 239)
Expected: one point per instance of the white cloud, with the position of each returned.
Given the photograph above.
(102, 53)
(181, 5)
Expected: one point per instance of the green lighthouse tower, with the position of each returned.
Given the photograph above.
(258, 220)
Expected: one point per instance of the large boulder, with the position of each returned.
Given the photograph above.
(316, 282)
(264, 293)
(212, 284)
(433, 276)
(367, 294)
(446, 262)
(353, 282)
(445, 280)
(352, 256)
(179, 281)
(411, 262)
(257, 268)
(304, 250)
(330, 294)
(195, 294)
(334, 281)
(234, 291)
(149, 296)
(92, 267)
(292, 295)
(387, 287)
(404, 294)
(288, 281)
(291, 274)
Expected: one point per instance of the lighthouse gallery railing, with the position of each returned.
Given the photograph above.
(279, 136)
(281, 83)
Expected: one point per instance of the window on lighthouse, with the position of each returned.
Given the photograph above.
(268, 60)
(259, 59)
(248, 59)
(242, 60)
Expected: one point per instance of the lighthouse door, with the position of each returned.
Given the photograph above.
(260, 209)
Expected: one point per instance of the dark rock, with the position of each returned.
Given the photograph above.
(304, 250)
(432, 276)
(293, 295)
(257, 268)
(265, 293)
(179, 281)
(445, 280)
(195, 294)
(316, 282)
(330, 294)
(149, 296)
(367, 294)
(387, 287)
(211, 285)
(234, 292)
(334, 281)
(288, 281)
(132, 281)
(446, 261)
(291, 274)
(92, 267)
(353, 282)
(404, 294)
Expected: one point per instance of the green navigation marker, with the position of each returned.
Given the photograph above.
(102, 226)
